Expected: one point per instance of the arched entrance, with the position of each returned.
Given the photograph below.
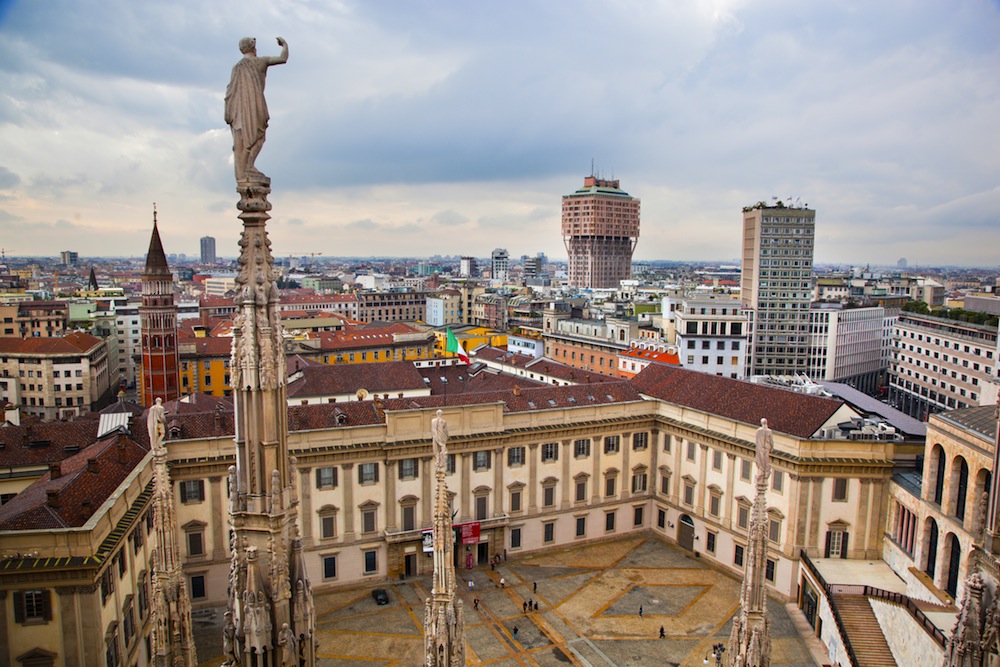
(685, 532)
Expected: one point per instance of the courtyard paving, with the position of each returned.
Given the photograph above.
(588, 598)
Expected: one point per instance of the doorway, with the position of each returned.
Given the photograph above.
(685, 532)
(410, 565)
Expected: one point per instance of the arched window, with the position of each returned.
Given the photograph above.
(960, 484)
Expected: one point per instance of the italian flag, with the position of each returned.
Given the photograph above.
(455, 347)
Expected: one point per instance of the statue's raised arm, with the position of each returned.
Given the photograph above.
(246, 109)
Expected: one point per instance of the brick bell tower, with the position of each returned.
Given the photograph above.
(158, 318)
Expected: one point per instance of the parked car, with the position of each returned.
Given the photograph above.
(381, 597)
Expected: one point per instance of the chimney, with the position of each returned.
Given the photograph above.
(55, 470)
(92, 466)
(12, 414)
(52, 498)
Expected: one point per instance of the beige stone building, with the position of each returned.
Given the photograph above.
(669, 451)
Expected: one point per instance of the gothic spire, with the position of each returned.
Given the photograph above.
(156, 260)
(172, 640)
(750, 639)
(444, 622)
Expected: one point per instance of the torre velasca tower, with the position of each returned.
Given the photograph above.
(600, 227)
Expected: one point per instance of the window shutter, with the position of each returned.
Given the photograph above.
(47, 605)
(18, 607)
(184, 494)
(843, 546)
(829, 536)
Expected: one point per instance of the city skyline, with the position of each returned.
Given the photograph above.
(445, 129)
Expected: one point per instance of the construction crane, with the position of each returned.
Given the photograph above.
(312, 257)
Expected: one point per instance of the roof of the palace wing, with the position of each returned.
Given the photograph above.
(980, 419)
(76, 342)
(800, 415)
(499, 355)
(472, 379)
(872, 406)
(519, 399)
(84, 482)
(44, 442)
(563, 372)
(322, 380)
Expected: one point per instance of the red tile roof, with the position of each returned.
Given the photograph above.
(72, 343)
(800, 415)
(381, 377)
(87, 479)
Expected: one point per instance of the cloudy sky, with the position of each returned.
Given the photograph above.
(453, 127)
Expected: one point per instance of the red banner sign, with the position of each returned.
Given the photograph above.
(470, 533)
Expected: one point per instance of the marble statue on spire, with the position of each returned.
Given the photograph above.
(444, 619)
(271, 618)
(750, 639)
(246, 108)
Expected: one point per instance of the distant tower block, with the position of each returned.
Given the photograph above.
(600, 228)
(158, 318)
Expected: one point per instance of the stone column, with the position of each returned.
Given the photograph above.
(220, 545)
(426, 511)
(566, 482)
(727, 507)
(349, 508)
(498, 464)
(465, 500)
(389, 496)
(533, 478)
(702, 480)
(597, 488)
(305, 504)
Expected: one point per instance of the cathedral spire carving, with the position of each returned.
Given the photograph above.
(750, 639)
(172, 640)
(444, 619)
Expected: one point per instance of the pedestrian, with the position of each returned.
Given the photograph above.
(640, 611)
(503, 582)
(663, 633)
(524, 607)
(514, 632)
(534, 586)
(536, 605)
(472, 585)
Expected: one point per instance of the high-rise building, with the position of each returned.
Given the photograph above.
(158, 316)
(467, 267)
(776, 286)
(208, 250)
(600, 227)
(500, 264)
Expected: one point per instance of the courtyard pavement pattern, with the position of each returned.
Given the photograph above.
(588, 598)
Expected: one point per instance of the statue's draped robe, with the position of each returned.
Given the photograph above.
(246, 109)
